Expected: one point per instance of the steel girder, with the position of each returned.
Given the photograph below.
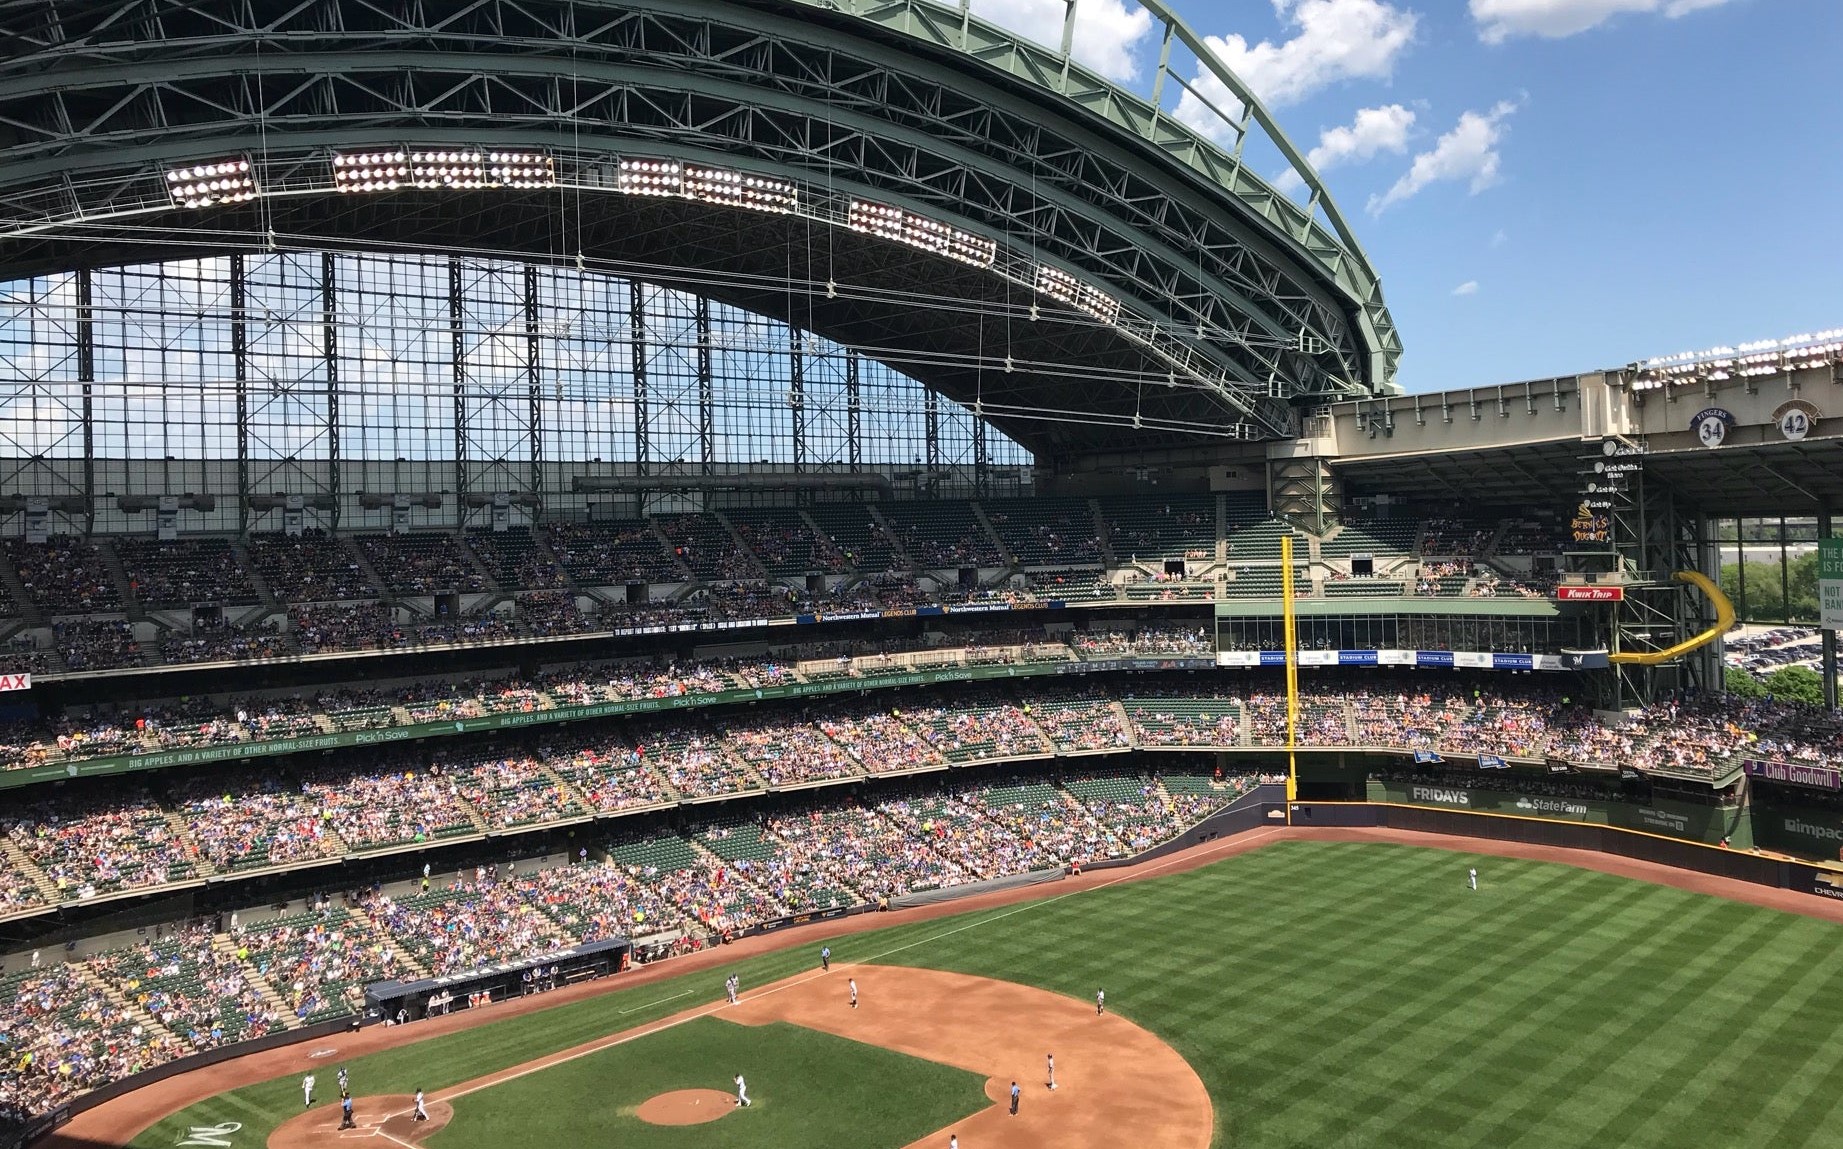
(1243, 310)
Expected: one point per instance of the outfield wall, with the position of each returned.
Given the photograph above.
(1689, 821)
(1782, 873)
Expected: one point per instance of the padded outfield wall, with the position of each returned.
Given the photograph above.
(1686, 820)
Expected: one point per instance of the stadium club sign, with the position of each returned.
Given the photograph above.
(1820, 777)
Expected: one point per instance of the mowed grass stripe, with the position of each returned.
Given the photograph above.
(1443, 1014)
(1802, 1104)
(1612, 1011)
(1785, 986)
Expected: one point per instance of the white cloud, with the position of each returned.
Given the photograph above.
(1469, 287)
(1499, 20)
(1333, 41)
(1108, 33)
(1468, 152)
(1500, 237)
(1372, 132)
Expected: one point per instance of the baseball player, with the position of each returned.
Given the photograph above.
(742, 1091)
(1100, 1002)
(825, 959)
(953, 1141)
(344, 1081)
(421, 1113)
(1471, 877)
(729, 987)
(1052, 1070)
(854, 992)
(307, 1092)
(1015, 1094)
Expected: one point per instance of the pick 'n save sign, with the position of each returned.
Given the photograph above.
(1830, 583)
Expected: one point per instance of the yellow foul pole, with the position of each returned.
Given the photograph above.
(1292, 672)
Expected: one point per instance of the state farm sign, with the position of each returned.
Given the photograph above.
(1590, 593)
(15, 682)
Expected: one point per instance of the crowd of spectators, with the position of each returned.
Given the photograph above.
(1455, 538)
(613, 554)
(309, 568)
(96, 643)
(64, 575)
(174, 573)
(424, 562)
(202, 995)
(224, 642)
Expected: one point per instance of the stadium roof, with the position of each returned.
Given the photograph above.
(1535, 444)
(1074, 260)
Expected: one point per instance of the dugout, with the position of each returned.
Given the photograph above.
(414, 1000)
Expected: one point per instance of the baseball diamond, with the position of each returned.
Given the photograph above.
(1308, 985)
(877, 574)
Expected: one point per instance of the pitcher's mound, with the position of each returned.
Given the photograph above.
(393, 1115)
(685, 1107)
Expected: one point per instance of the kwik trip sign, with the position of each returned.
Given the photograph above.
(1590, 593)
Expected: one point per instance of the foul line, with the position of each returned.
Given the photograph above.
(1128, 872)
(661, 1001)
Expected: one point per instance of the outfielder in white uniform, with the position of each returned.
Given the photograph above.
(307, 1092)
(742, 1091)
(1471, 877)
(1100, 1001)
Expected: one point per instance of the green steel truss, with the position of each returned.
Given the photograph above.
(1236, 304)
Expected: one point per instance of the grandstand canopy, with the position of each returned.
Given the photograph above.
(1755, 480)
(1079, 263)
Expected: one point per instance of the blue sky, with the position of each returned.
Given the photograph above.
(1547, 186)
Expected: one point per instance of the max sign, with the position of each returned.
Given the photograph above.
(15, 682)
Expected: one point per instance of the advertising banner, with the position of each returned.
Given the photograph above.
(1590, 593)
(1803, 830)
(1671, 819)
(1820, 777)
(1830, 583)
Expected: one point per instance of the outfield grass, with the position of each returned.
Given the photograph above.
(1337, 995)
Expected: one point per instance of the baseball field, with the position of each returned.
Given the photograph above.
(1315, 994)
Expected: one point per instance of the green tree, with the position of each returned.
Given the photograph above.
(1742, 684)
(1796, 684)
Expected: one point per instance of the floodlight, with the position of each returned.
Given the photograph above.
(521, 170)
(212, 182)
(371, 171)
(459, 169)
(919, 231)
(738, 189)
(1065, 288)
(652, 177)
